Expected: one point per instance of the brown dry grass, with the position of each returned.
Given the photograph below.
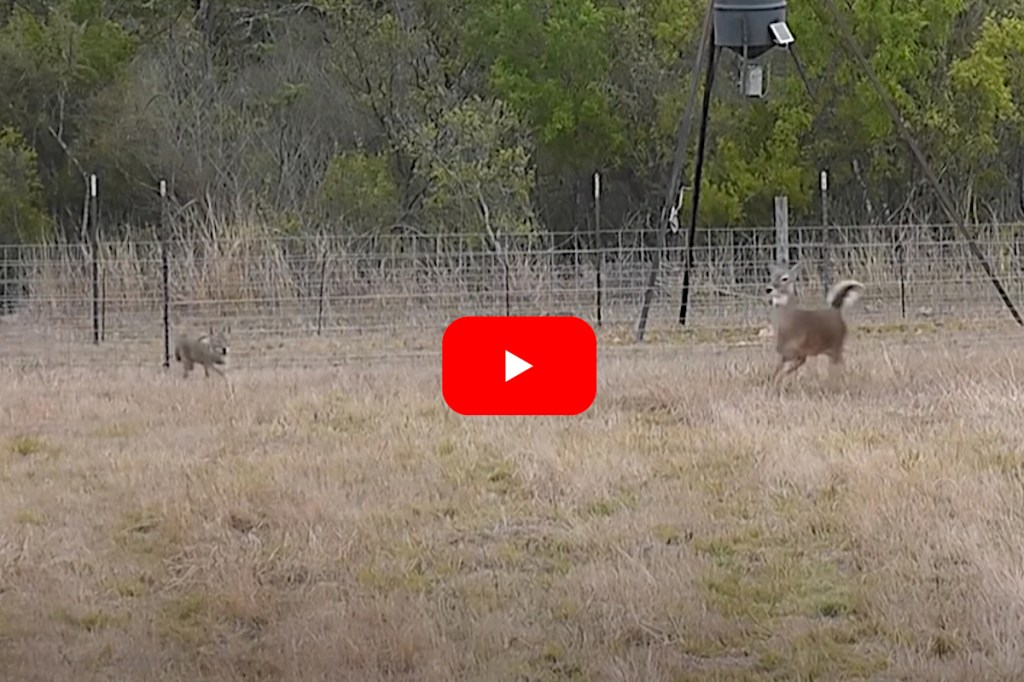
(345, 525)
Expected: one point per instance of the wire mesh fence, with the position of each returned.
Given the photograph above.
(322, 299)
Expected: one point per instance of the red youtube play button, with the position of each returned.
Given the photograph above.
(519, 365)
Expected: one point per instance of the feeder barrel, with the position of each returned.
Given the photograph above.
(735, 20)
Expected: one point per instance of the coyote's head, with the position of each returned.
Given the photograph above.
(217, 342)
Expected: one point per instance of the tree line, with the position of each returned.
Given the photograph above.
(488, 116)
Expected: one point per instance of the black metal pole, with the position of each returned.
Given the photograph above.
(94, 231)
(598, 247)
(944, 200)
(682, 145)
(691, 237)
(800, 71)
(165, 275)
(103, 305)
(901, 257)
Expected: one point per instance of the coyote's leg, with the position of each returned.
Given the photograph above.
(188, 366)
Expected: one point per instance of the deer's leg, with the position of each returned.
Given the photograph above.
(778, 369)
(835, 366)
(797, 364)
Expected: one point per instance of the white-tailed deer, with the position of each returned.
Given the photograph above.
(801, 333)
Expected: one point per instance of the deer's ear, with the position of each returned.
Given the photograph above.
(795, 270)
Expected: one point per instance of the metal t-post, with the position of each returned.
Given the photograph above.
(698, 171)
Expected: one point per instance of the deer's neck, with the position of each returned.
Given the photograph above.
(780, 313)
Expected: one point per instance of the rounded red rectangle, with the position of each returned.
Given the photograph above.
(519, 365)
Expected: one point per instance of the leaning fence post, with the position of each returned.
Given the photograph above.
(826, 236)
(782, 229)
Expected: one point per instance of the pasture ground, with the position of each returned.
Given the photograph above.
(343, 524)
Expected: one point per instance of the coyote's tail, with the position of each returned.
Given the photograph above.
(844, 293)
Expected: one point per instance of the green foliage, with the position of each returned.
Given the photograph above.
(672, 25)
(75, 52)
(359, 191)
(477, 165)
(482, 114)
(988, 87)
(550, 61)
(908, 47)
(22, 218)
(53, 65)
(368, 58)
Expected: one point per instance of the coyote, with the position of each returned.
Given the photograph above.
(801, 333)
(208, 350)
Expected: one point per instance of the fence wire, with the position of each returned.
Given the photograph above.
(315, 300)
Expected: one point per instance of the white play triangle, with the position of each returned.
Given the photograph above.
(514, 366)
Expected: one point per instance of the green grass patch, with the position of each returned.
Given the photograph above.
(187, 618)
(89, 621)
(116, 430)
(623, 499)
(410, 566)
(774, 567)
(27, 517)
(26, 445)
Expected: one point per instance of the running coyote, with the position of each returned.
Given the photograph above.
(209, 350)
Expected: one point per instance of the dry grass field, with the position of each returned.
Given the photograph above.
(343, 524)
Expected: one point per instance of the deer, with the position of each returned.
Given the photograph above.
(802, 333)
